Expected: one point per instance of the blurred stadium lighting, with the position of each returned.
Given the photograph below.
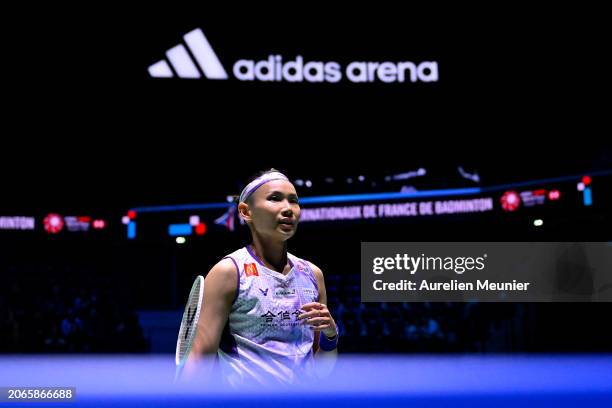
(408, 189)
(194, 220)
(469, 176)
(200, 229)
(98, 224)
(554, 195)
(404, 176)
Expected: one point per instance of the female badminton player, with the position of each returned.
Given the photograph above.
(264, 311)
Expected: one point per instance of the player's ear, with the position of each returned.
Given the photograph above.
(244, 211)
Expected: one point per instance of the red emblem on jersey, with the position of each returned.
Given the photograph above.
(251, 270)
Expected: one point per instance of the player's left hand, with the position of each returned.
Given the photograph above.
(318, 317)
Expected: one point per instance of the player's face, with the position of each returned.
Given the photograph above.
(275, 210)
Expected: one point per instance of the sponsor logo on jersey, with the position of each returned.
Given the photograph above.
(285, 292)
(250, 269)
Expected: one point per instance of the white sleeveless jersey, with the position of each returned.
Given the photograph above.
(264, 342)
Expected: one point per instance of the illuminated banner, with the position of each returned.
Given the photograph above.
(76, 224)
(393, 210)
(276, 68)
(55, 223)
(16, 223)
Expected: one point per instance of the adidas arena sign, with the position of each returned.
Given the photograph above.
(204, 62)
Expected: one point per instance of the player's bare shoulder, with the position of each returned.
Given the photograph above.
(316, 270)
(222, 278)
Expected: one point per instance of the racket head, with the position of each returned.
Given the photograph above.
(189, 322)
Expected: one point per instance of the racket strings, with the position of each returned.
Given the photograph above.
(186, 332)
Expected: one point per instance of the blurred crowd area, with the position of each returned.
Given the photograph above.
(46, 310)
(436, 327)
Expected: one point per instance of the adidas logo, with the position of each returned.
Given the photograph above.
(276, 69)
(182, 63)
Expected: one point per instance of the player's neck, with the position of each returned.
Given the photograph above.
(272, 254)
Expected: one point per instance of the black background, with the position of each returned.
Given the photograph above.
(522, 95)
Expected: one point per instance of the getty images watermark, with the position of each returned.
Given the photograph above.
(486, 271)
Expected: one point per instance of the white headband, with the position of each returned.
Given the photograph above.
(258, 182)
